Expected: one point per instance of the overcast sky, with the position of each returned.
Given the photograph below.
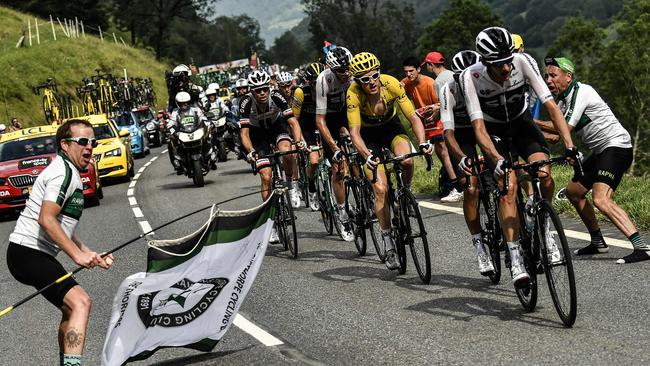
(275, 16)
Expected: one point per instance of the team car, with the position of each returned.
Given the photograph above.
(24, 154)
(139, 138)
(113, 154)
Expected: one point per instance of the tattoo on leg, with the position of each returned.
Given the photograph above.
(73, 338)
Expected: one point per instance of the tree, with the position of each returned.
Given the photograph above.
(287, 50)
(457, 26)
(380, 27)
(91, 12)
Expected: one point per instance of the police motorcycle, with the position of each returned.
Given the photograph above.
(215, 109)
(191, 145)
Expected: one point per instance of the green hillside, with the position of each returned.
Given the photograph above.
(67, 60)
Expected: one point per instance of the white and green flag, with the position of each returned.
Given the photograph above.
(192, 289)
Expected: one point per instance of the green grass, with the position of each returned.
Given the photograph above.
(67, 60)
(630, 195)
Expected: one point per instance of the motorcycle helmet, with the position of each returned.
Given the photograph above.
(183, 97)
(181, 69)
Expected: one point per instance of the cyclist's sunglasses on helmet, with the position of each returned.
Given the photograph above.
(502, 62)
(82, 141)
(368, 78)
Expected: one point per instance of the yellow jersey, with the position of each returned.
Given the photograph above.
(360, 112)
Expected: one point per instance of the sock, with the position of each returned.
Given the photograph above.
(637, 242)
(290, 183)
(342, 211)
(597, 238)
(478, 244)
(388, 241)
(70, 360)
(513, 247)
(312, 185)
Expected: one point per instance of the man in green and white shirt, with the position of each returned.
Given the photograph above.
(47, 225)
(611, 155)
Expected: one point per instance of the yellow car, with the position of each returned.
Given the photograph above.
(113, 154)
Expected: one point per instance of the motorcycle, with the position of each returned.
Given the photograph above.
(231, 136)
(193, 148)
(218, 141)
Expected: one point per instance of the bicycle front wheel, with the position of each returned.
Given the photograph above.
(415, 235)
(288, 223)
(357, 216)
(372, 222)
(322, 187)
(491, 237)
(556, 259)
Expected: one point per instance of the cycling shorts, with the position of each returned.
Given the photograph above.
(308, 127)
(525, 137)
(35, 268)
(334, 122)
(263, 140)
(467, 142)
(386, 136)
(607, 167)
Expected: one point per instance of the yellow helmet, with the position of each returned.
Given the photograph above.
(363, 62)
(518, 41)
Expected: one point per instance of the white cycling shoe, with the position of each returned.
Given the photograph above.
(295, 197)
(313, 201)
(274, 238)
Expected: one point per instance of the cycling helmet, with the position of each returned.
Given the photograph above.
(258, 79)
(3, 128)
(241, 83)
(210, 91)
(495, 44)
(181, 69)
(463, 60)
(214, 86)
(285, 78)
(338, 58)
(363, 62)
(182, 97)
(313, 70)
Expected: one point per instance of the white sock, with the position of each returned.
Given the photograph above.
(513, 247)
(478, 244)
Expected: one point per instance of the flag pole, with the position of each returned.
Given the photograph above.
(78, 269)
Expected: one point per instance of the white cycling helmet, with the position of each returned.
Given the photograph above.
(182, 97)
(495, 44)
(181, 69)
(241, 83)
(285, 78)
(338, 58)
(258, 79)
(463, 60)
(210, 91)
(214, 86)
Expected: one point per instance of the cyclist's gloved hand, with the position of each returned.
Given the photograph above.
(338, 156)
(426, 147)
(498, 169)
(252, 156)
(466, 165)
(371, 162)
(573, 153)
(302, 144)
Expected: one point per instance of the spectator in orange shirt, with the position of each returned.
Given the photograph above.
(421, 90)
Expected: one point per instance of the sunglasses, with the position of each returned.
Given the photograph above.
(368, 78)
(502, 63)
(261, 90)
(340, 71)
(82, 141)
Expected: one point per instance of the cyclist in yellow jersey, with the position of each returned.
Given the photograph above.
(374, 123)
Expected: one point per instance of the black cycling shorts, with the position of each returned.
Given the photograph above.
(607, 167)
(385, 135)
(525, 136)
(334, 122)
(35, 268)
(263, 140)
(467, 142)
(308, 127)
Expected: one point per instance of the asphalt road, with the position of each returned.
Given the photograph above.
(333, 307)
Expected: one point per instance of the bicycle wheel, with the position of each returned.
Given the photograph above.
(357, 217)
(47, 109)
(372, 222)
(303, 181)
(415, 235)
(289, 225)
(559, 270)
(326, 214)
(491, 234)
(527, 293)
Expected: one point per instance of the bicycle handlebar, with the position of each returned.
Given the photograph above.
(398, 159)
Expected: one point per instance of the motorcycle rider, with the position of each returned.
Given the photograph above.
(185, 114)
(216, 109)
(179, 81)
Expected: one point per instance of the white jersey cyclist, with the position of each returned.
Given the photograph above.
(59, 182)
(330, 93)
(453, 111)
(496, 103)
(592, 119)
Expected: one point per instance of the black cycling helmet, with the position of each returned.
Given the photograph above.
(463, 60)
(495, 44)
(313, 70)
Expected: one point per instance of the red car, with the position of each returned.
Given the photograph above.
(23, 156)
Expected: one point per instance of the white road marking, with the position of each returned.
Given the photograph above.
(132, 184)
(137, 212)
(129, 192)
(256, 332)
(144, 225)
(147, 164)
(132, 201)
(153, 159)
(142, 169)
(136, 177)
(569, 233)
(164, 151)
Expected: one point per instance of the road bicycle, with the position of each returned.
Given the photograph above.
(51, 101)
(407, 224)
(323, 179)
